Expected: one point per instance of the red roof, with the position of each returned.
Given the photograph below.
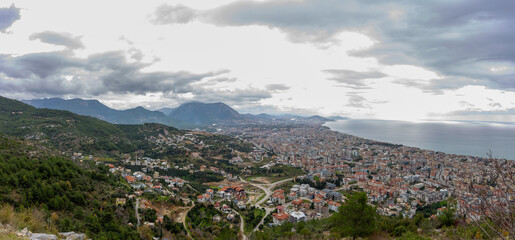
(130, 178)
(281, 216)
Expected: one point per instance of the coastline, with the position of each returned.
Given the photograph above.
(465, 138)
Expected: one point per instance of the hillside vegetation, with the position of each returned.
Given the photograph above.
(47, 192)
(70, 132)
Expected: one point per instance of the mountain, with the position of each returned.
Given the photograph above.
(166, 111)
(338, 118)
(219, 113)
(319, 119)
(96, 109)
(91, 108)
(188, 115)
(205, 113)
(68, 131)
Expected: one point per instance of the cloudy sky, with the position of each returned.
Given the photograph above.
(406, 60)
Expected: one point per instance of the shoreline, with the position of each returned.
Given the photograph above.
(411, 145)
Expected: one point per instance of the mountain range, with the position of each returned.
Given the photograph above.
(95, 108)
(69, 132)
(187, 115)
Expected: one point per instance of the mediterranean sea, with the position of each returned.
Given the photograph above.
(457, 137)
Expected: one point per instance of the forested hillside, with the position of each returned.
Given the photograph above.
(71, 132)
(46, 192)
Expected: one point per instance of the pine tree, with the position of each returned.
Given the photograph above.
(356, 218)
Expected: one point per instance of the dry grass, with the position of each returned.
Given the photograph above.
(8, 236)
(32, 219)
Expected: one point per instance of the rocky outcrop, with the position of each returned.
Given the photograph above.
(42, 236)
(26, 234)
(73, 236)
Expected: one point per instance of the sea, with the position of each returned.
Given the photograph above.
(457, 137)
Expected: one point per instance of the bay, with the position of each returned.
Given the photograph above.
(457, 137)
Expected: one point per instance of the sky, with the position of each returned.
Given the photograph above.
(402, 60)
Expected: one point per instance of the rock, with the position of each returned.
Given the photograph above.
(73, 236)
(43, 236)
(23, 233)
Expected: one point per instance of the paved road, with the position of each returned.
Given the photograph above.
(267, 188)
(136, 210)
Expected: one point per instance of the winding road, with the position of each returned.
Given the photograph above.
(267, 188)
(136, 210)
(242, 226)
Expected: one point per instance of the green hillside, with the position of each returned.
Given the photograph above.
(71, 132)
(47, 193)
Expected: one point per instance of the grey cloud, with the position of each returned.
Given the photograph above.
(474, 111)
(51, 86)
(305, 16)
(63, 74)
(55, 38)
(217, 80)
(8, 16)
(357, 101)
(172, 14)
(236, 96)
(503, 116)
(352, 78)
(457, 39)
(95, 75)
(41, 65)
(257, 108)
(277, 87)
(438, 86)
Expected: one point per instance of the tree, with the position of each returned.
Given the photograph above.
(356, 218)
(145, 232)
(447, 217)
(489, 204)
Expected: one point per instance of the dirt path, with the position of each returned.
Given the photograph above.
(242, 226)
(183, 220)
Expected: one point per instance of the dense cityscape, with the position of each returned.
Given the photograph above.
(257, 120)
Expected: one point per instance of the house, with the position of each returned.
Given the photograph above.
(338, 197)
(333, 206)
(297, 203)
(324, 211)
(139, 186)
(210, 192)
(203, 198)
(157, 188)
(292, 196)
(221, 193)
(318, 202)
(296, 217)
(278, 197)
(360, 176)
(280, 217)
(130, 179)
(226, 208)
(280, 208)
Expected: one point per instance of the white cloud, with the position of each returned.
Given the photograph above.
(256, 65)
